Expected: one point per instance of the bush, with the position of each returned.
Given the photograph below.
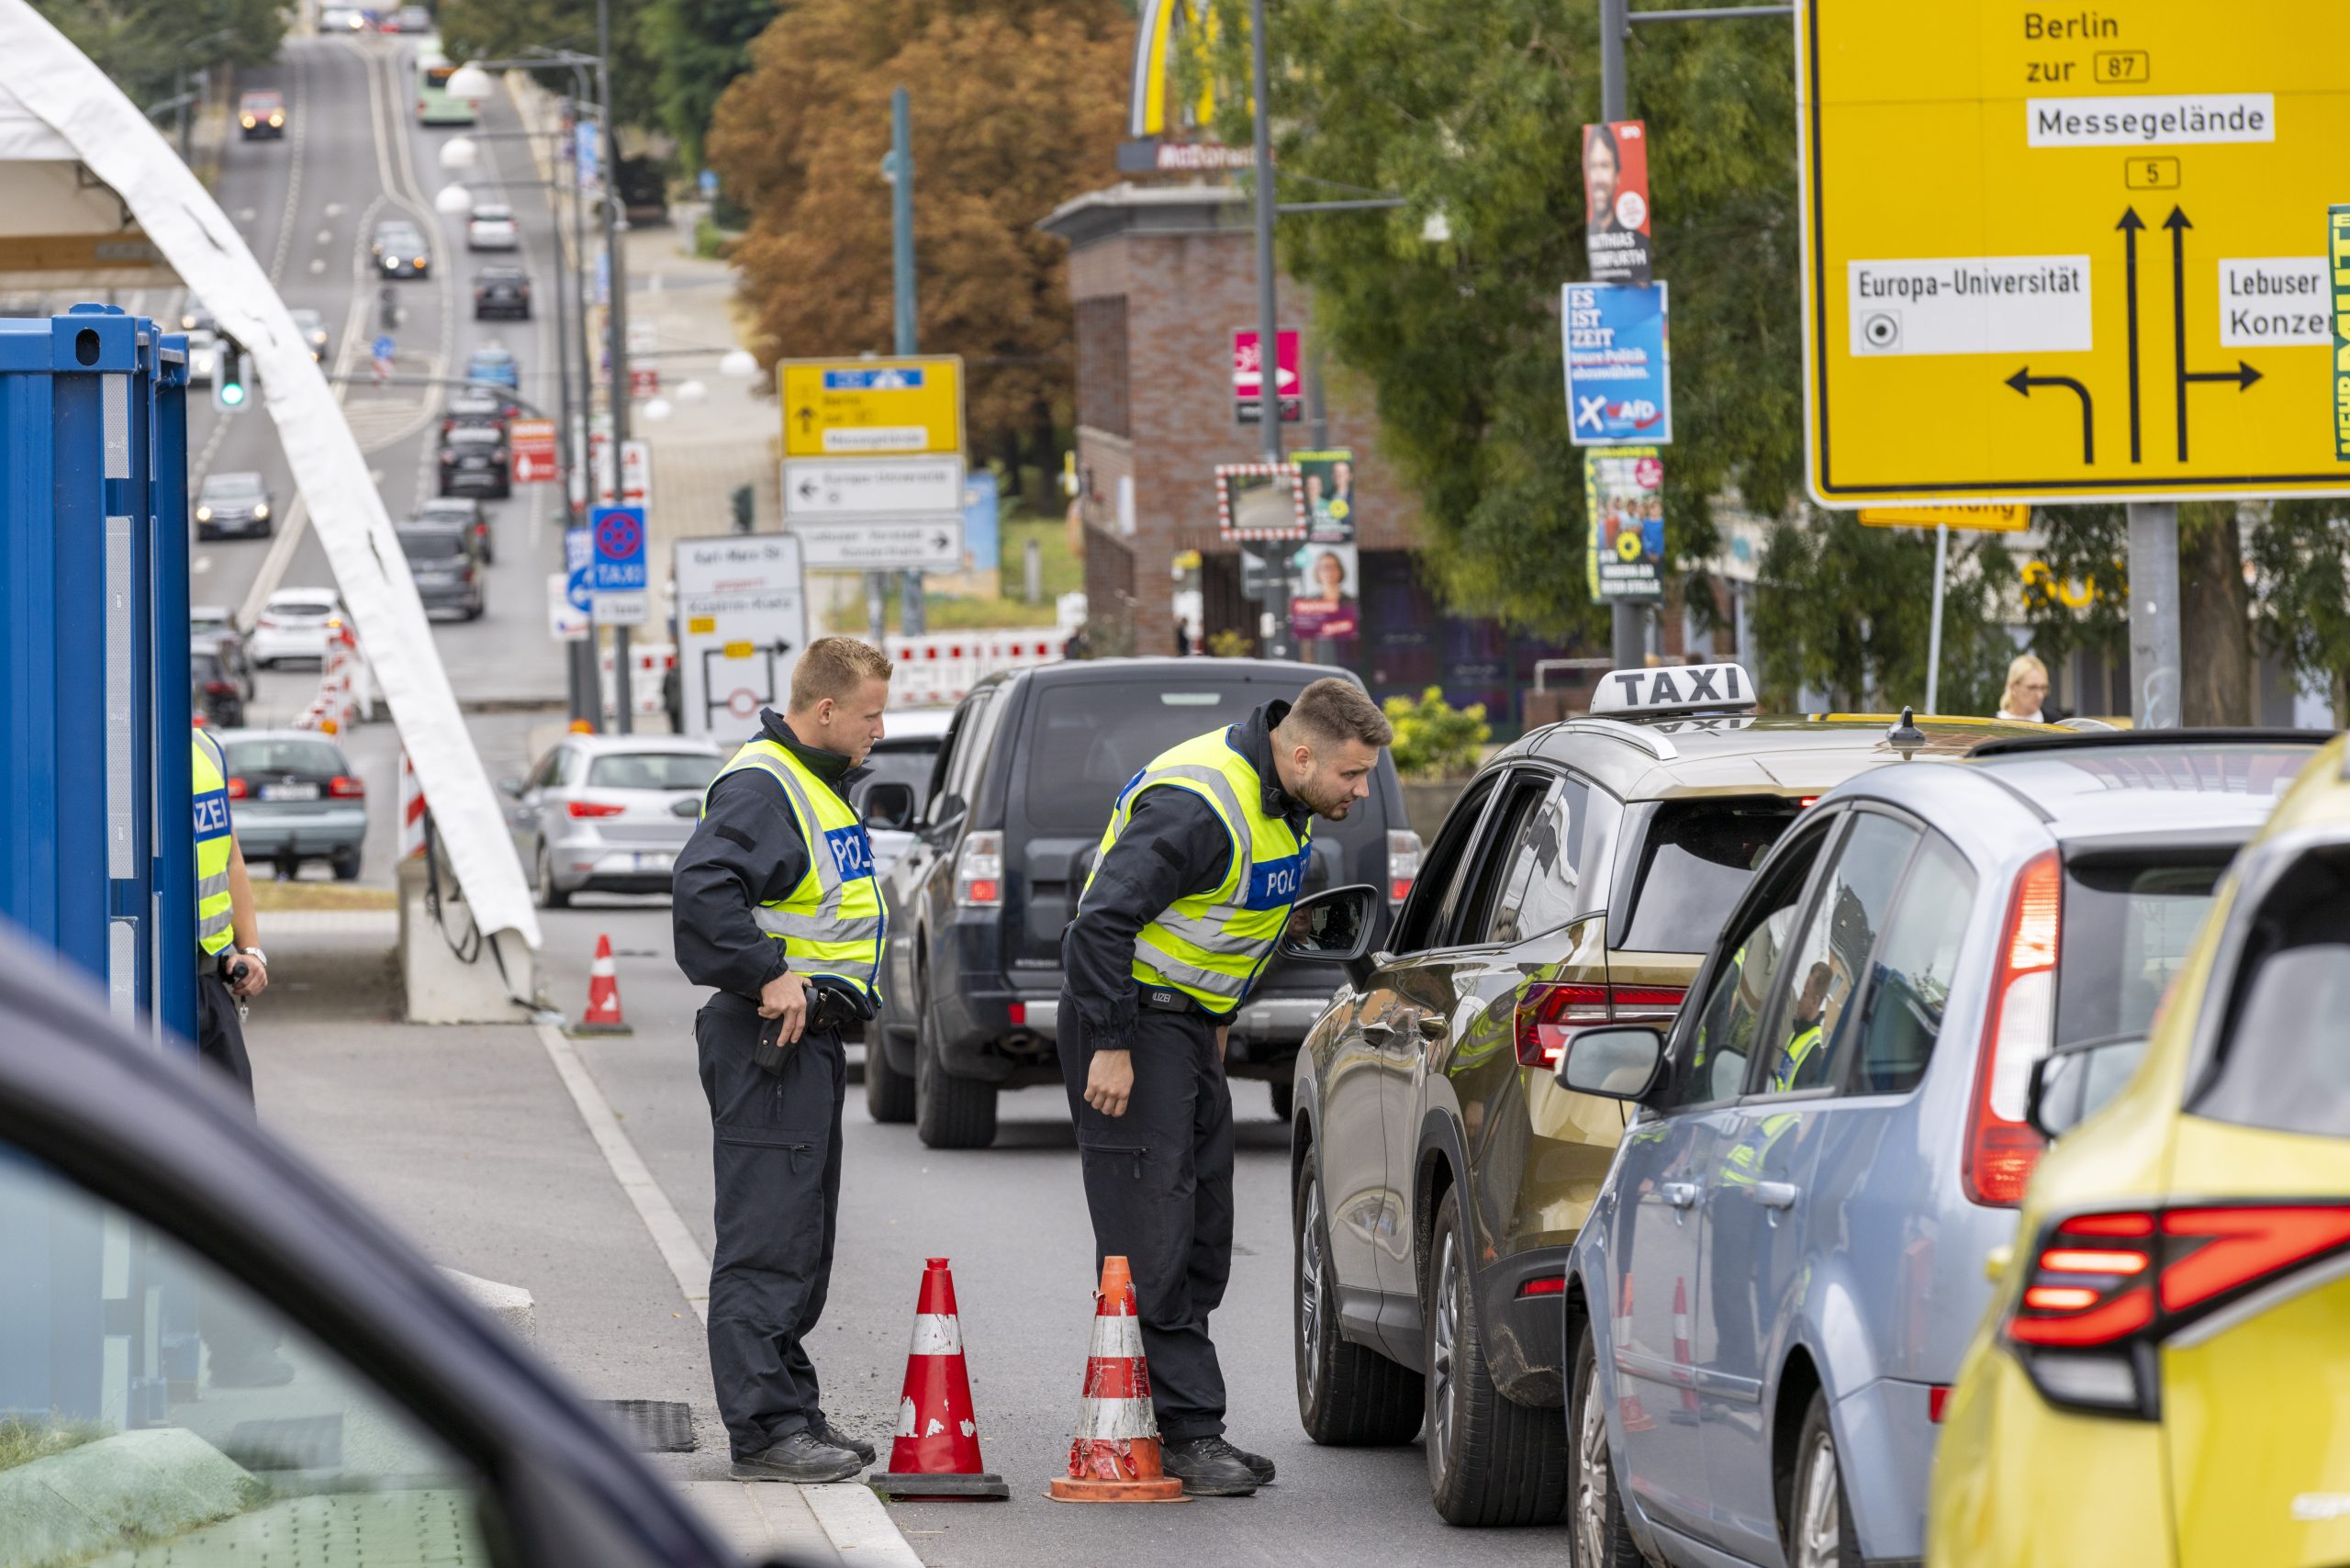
(1228, 643)
(1433, 738)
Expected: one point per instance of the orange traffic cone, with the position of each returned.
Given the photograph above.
(937, 1450)
(1114, 1456)
(1684, 1366)
(603, 1015)
(1635, 1415)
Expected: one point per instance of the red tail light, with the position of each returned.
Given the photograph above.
(1550, 1013)
(2001, 1149)
(218, 688)
(1403, 863)
(236, 789)
(1544, 1284)
(591, 808)
(271, 621)
(343, 787)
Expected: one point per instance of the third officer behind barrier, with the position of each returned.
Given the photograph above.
(1206, 850)
(777, 906)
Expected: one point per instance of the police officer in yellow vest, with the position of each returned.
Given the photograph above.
(776, 907)
(230, 966)
(1206, 850)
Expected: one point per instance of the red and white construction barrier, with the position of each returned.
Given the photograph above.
(344, 689)
(943, 666)
(649, 665)
(411, 810)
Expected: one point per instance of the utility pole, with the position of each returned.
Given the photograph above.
(912, 621)
(2154, 615)
(1627, 641)
(1268, 335)
(615, 335)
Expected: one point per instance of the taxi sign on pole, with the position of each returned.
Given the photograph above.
(2068, 254)
(905, 407)
(1982, 520)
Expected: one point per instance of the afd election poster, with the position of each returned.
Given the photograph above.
(1624, 489)
(1619, 381)
(1616, 200)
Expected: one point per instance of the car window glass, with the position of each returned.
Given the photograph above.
(1710, 1058)
(1468, 913)
(419, 544)
(283, 756)
(262, 1446)
(1816, 1024)
(652, 770)
(1415, 926)
(2284, 1049)
(1910, 982)
(1698, 859)
(2127, 927)
(573, 766)
(906, 762)
(1543, 886)
(1088, 739)
(970, 751)
(544, 774)
(949, 746)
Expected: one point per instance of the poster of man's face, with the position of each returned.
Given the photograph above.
(1330, 481)
(1615, 192)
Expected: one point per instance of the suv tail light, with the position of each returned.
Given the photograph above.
(1550, 1013)
(2001, 1149)
(978, 871)
(593, 809)
(1403, 863)
(2106, 1288)
(218, 688)
(343, 787)
(265, 619)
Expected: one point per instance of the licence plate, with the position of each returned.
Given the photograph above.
(647, 860)
(473, 463)
(289, 791)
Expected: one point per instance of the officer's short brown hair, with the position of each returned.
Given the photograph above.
(1332, 710)
(835, 667)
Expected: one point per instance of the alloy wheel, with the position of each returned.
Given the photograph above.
(1591, 1477)
(1309, 1278)
(1447, 1335)
(1818, 1535)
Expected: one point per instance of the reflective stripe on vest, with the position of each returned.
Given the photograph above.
(215, 920)
(833, 923)
(1802, 1046)
(1212, 946)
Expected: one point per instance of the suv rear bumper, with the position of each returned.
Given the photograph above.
(993, 1027)
(1526, 1334)
(1278, 1021)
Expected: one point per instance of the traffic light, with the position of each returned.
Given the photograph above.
(231, 392)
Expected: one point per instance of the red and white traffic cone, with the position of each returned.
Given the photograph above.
(1684, 1366)
(603, 1015)
(936, 1453)
(412, 809)
(1114, 1456)
(1635, 1415)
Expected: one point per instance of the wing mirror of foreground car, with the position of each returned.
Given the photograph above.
(890, 806)
(1333, 927)
(1621, 1063)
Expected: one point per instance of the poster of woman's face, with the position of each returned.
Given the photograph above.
(1323, 597)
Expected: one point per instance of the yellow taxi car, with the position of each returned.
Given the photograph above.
(2164, 1377)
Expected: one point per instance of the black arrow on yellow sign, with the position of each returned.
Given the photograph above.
(2243, 375)
(2023, 381)
(2130, 224)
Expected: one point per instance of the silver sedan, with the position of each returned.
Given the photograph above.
(608, 813)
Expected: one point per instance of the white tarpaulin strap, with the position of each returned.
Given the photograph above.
(59, 84)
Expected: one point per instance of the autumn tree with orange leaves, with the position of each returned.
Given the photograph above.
(1017, 106)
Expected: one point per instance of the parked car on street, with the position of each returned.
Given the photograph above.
(260, 114)
(295, 623)
(228, 646)
(217, 695)
(502, 293)
(2171, 1320)
(399, 249)
(194, 318)
(465, 512)
(409, 19)
(397, 1413)
(313, 328)
(494, 364)
(492, 228)
(473, 463)
(294, 799)
(235, 503)
(608, 813)
(1015, 807)
(447, 572)
(1776, 1282)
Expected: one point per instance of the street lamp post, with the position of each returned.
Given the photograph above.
(1269, 341)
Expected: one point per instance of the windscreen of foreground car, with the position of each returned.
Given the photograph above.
(1698, 859)
(652, 770)
(2128, 925)
(1089, 737)
(289, 755)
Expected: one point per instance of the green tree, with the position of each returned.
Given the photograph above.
(698, 47)
(1472, 109)
(2303, 557)
(504, 30)
(143, 45)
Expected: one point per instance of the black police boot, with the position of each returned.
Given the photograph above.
(802, 1457)
(841, 1439)
(1258, 1465)
(1209, 1467)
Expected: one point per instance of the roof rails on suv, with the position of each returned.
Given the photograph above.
(2072, 740)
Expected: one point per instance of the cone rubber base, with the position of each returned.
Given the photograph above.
(916, 1487)
(1163, 1489)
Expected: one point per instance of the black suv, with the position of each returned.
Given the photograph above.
(1017, 801)
(501, 292)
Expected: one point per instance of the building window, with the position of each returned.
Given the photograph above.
(1102, 365)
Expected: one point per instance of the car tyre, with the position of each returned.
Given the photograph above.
(1348, 1395)
(346, 867)
(1820, 1516)
(889, 1094)
(1491, 1460)
(949, 1112)
(1602, 1536)
(1284, 1100)
(543, 883)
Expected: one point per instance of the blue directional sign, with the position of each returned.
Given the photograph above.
(578, 559)
(618, 538)
(383, 349)
(882, 379)
(709, 181)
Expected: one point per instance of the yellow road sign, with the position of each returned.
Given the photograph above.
(1984, 520)
(2061, 253)
(909, 407)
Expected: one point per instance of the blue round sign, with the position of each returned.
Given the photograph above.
(383, 349)
(616, 536)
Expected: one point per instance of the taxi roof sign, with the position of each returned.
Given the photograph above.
(1673, 689)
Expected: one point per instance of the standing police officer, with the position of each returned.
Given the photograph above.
(777, 906)
(229, 969)
(1206, 851)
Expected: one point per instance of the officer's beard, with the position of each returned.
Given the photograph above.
(1330, 802)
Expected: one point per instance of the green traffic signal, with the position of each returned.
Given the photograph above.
(229, 390)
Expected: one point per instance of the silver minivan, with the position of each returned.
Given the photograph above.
(1773, 1290)
(608, 813)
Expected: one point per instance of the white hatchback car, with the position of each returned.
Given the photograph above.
(492, 228)
(296, 623)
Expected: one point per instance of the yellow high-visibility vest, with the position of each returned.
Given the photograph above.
(215, 922)
(1211, 945)
(833, 922)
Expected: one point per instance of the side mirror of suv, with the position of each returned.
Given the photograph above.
(1331, 928)
(1616, 1064)
(890, 805)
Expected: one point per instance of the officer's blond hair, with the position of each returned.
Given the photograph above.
(1333, 709)
(835, 667)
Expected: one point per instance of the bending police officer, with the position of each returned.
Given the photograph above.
(1206, 851)
(776, 905)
